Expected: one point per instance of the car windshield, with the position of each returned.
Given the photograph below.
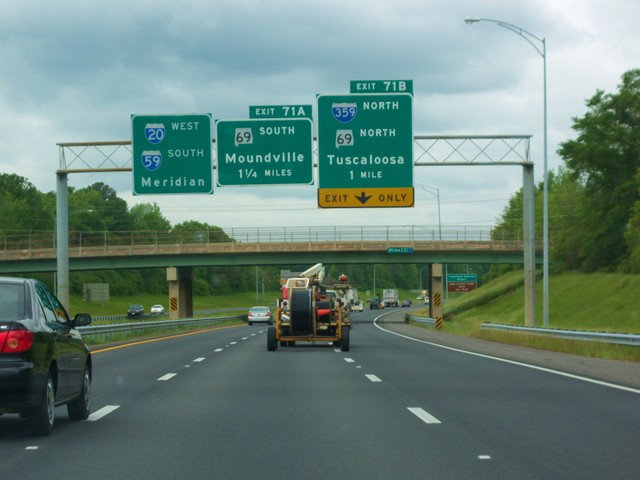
(259, 309)
(11, 301)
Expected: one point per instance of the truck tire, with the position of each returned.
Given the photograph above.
(272, 341)
(344, 342)
(301, 313)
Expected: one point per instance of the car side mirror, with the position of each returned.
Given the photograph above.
(81, 320)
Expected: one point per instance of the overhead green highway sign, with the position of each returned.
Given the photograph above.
(365, 150)
(265, 151)
(172, 154)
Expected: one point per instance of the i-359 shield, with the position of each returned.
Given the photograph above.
(344, 112)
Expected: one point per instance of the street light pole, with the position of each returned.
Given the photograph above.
(542, 50)
(434, 191)
(374, 281)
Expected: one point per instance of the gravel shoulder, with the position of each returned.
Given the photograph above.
(611, 371)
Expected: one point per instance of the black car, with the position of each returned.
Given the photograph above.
(44, 362)
(135, 311)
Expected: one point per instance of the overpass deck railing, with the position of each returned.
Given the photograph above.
(260, 239)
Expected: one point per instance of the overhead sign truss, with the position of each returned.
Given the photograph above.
(428, 150)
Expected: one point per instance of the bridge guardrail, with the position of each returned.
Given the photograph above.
(95, 243)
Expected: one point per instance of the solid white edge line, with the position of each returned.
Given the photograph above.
(424, 416)
(106, 410)
(513, 362)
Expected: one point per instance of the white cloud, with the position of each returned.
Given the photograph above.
(77, 70)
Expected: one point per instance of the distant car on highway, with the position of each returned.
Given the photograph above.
(43, 360)
(406, 303)
(356, 306)
(135, 310)
(157, 309)
(376, 304)
(259, 315)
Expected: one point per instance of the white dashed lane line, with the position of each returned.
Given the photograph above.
(166, 377)
(424, 416)
(106, 410)
(418, 412)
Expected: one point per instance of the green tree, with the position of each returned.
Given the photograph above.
(632, 236)
(147, 216)
(24, 208)
(605, 158)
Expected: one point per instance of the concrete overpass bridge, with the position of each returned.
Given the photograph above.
(410, 244)
(180, 252)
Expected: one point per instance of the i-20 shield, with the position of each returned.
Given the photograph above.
(154, 132)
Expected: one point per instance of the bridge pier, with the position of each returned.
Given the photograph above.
(180, 292)
(435, 294)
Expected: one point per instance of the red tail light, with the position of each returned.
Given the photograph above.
(16, 341)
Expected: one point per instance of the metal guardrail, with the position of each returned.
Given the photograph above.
(617, 338)
(105, 330)
(424, 320)
(605, 337)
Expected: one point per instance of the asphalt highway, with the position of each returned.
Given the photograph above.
(217, 404)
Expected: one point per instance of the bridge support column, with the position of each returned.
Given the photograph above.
(62, 239)
(436, 298)
(180, 292)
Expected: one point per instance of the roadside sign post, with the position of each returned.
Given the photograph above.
(172, 154)
(271, 151)
(365, 150)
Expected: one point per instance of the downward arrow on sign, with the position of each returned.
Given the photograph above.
(363, 198)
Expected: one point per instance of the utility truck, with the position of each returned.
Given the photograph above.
(311, 312)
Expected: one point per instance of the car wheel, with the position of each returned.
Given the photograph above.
(79, 408)
(42, 418)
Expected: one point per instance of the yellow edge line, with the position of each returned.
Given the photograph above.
(158, 339)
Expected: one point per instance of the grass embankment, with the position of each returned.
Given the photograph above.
(597, 302)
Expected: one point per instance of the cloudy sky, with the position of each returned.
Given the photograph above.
(75, 71)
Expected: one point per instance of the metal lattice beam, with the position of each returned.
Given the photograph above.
(116, 156)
